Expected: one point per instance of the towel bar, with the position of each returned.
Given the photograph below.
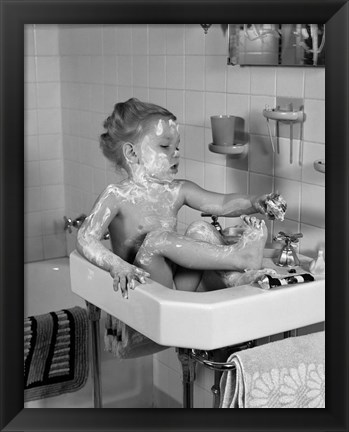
(216, 365)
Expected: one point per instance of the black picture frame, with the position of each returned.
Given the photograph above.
(14, 14)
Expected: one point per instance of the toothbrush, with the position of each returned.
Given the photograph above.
(291, 142)
(271, 137)
(291, 135)
(300, 161)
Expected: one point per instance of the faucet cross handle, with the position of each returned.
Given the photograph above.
(295, 237)
(289, 238)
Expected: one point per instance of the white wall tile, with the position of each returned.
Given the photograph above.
(53, 222)
(194, 139)
(140, 71)
(194, 40)
(49, 95)
(194, 108)
(236, 181)
(313, 205)
(30, 96)
(157, 39)
(51, 172)
(33, 249)
(124, 39)
(139, 39)
(157, 71)
(99, 180)
(111, 69)
(124, 70)
(33, 225)
(84, 69)
(195, 72)
(263, 81)
(311, 153)
(157, 96)
(313, 240)
(175, 39)
(52, 197)
(215, 71)
(32, 174)
(194, 171)
(175, 72)
(32, 199)
(260, 155)
(55, 246)
(239, 80)
(96, 69)
(49, 121)
(290, 82)
(96, 94)
(214, 178)
(314, 125)
(109, 40)
(47, 69)
(314, 83)
(124, 93)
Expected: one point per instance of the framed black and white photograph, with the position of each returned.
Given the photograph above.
(166, 196)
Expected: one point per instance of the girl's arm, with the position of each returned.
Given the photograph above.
(90, 246)
(232, 205)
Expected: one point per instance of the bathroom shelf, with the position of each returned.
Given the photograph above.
(319, 165)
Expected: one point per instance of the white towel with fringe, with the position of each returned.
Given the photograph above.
(285, 374)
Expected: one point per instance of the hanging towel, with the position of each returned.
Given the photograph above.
(55, 353)
(285, 374)
(125, 342)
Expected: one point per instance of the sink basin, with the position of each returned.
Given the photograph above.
(203, 320)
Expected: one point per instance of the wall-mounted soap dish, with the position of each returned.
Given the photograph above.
(319, 165)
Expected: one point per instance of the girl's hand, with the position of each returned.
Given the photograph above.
(126, 276)
(259, 204)
(272, 205)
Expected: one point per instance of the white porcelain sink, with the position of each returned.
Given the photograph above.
(202, 320)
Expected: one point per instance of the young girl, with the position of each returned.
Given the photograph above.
(141, 211)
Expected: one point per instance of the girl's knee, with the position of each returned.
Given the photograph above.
(202, 230)
(154, 240)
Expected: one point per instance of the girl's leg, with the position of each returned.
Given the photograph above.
(160, 248)
(189, 280)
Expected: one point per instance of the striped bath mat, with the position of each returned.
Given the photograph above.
(55, 353)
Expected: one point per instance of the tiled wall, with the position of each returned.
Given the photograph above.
(180, 68)
(44, 182)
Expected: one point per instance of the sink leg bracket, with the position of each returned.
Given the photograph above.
(188, 375)
(94, 316)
